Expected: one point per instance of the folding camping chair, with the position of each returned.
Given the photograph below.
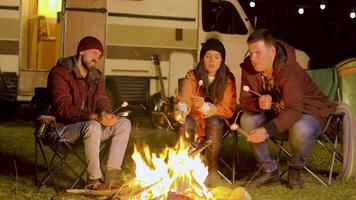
(327, 81)
(60, 148)
(233, 165)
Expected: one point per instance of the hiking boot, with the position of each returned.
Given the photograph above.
(214, 179)
(295, 180)
(112, 179)
(265, 178)
(95, 185)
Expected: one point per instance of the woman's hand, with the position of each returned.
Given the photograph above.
(197, 101)
(107, 119)
(181, 110)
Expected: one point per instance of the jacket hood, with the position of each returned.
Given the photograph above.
(71, 63)
(290, 59)
(68, 62)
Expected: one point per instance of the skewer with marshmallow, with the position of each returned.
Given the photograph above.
(235, 127)
(247, 89)
(123, 105)
(200, 83)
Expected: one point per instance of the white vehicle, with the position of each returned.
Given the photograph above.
(132, 31)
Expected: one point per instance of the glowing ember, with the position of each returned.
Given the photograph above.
(173, 171)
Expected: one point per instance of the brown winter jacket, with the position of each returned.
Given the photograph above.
(225, 108)
(298, 92)
(73, 97)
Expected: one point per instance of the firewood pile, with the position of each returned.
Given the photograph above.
(133, 192)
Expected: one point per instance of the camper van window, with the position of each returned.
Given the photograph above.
(222, 16)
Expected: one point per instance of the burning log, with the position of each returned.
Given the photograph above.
(175, 196)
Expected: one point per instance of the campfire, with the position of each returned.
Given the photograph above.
(177, 173)
(172, 174)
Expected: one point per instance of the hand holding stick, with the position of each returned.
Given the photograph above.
(247, 89)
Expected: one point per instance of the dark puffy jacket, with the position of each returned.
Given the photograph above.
(73, 97)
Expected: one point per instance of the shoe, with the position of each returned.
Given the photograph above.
(295, 180)
(95, 185)
(200, 142)
(265, 178)
(112, 179)
(214, 179)
(114, 185)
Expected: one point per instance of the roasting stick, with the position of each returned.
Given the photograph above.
(237, 128)
(247, 89)
(123, 105)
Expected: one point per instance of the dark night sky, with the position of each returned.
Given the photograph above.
(328, 36)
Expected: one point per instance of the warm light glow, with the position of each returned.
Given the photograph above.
(49, 8)
(174, 170)
(301, 11)
(252, 4)
(352, 14)
(322, 6)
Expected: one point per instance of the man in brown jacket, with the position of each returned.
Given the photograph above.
(82, 110)
(279, 98)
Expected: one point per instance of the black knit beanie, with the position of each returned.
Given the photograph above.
(213, 44)
(90, 42)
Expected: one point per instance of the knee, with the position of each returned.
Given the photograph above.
(188, 125)
(214, 121)
(300, 137)
(250, 120)
(124, 124)
(92, 128)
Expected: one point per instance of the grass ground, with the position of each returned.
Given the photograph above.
(17, 154)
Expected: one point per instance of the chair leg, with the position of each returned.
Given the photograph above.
(332, 161)
(36, 160)
(306, 168)
(49, 170)
(235, 158)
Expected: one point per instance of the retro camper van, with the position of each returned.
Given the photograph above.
(35, 33)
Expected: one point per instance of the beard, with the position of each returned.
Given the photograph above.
(89, 65)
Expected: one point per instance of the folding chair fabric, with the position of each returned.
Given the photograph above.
(347, 80)
(60, 148)
(327, 81)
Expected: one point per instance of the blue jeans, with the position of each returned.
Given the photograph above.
(301, 139)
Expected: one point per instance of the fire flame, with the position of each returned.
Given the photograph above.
(173, 171)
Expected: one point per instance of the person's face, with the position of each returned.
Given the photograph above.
(90, 57)
(262, 56)
(212, 61)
